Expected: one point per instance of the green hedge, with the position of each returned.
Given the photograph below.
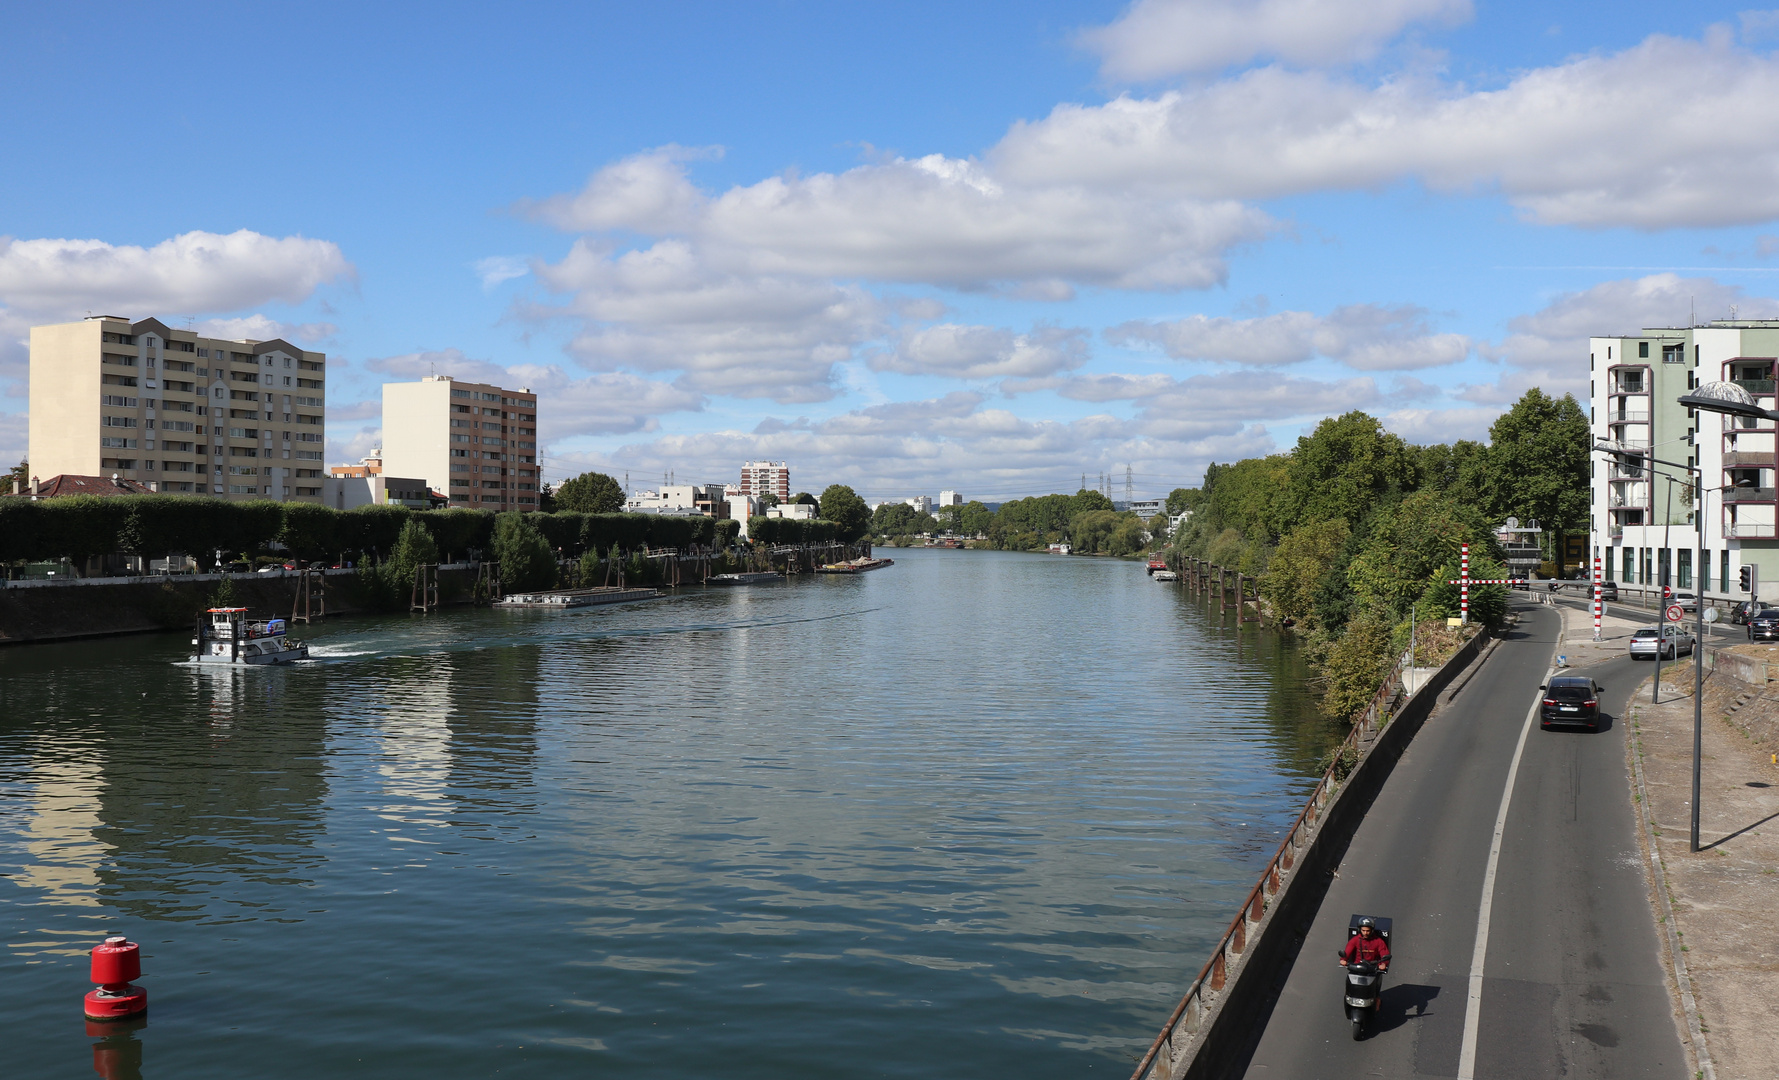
(765, 530)
(81, 526)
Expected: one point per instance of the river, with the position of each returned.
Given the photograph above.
(976, 814)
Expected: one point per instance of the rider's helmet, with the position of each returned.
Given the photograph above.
(1367, 923)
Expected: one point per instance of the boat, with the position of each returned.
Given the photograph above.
(1165, 575)
(854, 566)
(1060, 549)
(1157, 562)
(758, 577)
(562, 599)
(953, 542)
(227, 636)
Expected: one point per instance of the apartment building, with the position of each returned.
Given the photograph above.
(177, 411)
(1689, 480)
(760, 478)
(475, 442)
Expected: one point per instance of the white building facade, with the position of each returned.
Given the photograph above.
(1651, 514)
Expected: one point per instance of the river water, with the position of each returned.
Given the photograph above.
(977, 814)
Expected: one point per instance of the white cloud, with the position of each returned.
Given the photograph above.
(1155, 38)
(14, 439)
(1369, 337)
(984, 352)
(264, 328)
(192, 272)
(1441, 425)
(1599, 140)
(615, 403)
(496, 269)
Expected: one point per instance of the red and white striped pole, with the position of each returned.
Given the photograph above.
(1464, 584)
(1596, 596)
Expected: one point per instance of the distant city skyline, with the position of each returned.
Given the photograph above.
(909, 248)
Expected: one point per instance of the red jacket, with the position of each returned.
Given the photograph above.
(1376, 950)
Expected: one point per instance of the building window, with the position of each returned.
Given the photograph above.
(1724, 570)
(1685, 568)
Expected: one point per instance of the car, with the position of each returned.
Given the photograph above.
(1609, 590)
(1674, 642)
(1764, 625)
(1686, 600)
(1570, 699)
(1739, 614)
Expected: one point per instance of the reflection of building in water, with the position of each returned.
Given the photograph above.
(494, 731)
(232, 788)
(55, 825)
(411, 710)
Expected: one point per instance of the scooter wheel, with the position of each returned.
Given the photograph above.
(1358, 1029)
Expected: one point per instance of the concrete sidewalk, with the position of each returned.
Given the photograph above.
(1724, 897)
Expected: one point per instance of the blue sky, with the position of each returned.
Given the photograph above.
(988, 247)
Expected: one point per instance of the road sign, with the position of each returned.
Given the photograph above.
(1711, 614)
(1675, 614)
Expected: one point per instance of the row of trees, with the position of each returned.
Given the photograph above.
(83, 526)
(1355, 532)
(1085, 519)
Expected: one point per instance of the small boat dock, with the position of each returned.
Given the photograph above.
(575, 598)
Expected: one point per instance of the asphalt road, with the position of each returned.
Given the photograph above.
(1572, 980)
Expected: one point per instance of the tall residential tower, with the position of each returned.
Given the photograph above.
(177, 411)
(474, 442)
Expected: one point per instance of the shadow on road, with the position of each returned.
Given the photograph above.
(1402, 1003)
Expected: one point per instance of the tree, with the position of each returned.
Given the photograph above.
(804, 498)
(20, 475)
(900, 519)
(1344, 468)
(1302, 560)
(546, 500)
(1181, 499)
(767, 501)
(1538, 463)
(526, 561)
(590, 493)
(842, 505)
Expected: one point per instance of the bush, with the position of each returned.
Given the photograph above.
(526, 561)
(1354, 667)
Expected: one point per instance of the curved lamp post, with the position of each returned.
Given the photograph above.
(1731, 400)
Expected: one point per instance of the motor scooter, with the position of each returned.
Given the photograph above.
(1365, 983)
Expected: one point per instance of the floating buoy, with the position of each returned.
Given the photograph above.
(115, 964)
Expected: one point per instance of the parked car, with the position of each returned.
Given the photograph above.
(1686, 600)
(1674, 642)
(1609, 590)
(1739, 614)
(1570, 699)
(1764, 625)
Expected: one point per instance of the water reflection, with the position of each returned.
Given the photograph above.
(1005, 801)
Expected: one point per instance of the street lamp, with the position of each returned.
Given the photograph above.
(1731, 400)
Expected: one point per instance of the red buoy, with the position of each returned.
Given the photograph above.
(115, 964)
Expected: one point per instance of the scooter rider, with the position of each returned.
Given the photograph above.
(1366, 947)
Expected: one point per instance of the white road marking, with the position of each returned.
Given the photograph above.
(1473, 1006)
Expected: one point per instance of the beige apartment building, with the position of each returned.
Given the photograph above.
(474, 442)
(177, 411)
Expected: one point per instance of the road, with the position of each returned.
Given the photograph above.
(1572, 980)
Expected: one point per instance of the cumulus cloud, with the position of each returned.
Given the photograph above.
(264, 328)
(496, 269)
(195, 271)
(1369, 337)
(1441, 425)
(1553, 140)
(984, 352)
(611, 403)
(1156, 38)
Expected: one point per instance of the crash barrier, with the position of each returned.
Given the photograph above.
(1214, 1025)
(1748, 669)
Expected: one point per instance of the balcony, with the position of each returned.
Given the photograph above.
(1748, 459)
(1628, 446)
(1735, 531)
(1749, 495)
(1628, 416)
(1756, 387)
(1621, 472)
(1635, 499)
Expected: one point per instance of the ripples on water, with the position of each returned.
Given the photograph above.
(977, 814)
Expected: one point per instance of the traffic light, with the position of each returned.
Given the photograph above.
(1750, 578)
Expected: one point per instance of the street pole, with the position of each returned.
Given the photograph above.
(1661, 609)
(1699, 665)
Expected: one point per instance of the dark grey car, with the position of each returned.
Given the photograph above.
(1764, 625)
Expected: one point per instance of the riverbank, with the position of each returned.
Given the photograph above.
(66, 612)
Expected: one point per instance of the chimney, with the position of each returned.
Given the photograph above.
(36, 486)
(17, 485)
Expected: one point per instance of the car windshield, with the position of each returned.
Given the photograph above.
(1768, 614)
(1569, 693)
(1646, 632)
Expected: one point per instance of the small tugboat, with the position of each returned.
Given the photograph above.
(1164, 574)
(854, 566)
(227, 636)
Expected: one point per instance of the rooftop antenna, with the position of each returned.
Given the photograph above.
(1692, 312)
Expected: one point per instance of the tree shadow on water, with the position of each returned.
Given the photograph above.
(1402, 1003)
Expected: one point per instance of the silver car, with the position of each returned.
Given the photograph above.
(1674, 642)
